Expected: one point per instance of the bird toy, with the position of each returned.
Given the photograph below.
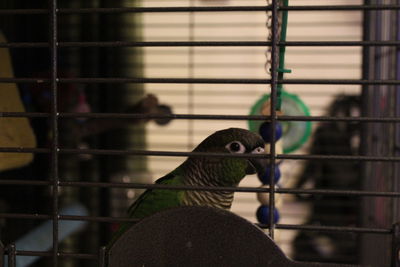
(289, 136)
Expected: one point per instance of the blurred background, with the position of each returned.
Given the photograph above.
(354, 63)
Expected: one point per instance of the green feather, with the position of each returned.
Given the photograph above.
(154, 200)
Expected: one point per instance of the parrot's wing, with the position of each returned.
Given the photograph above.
(153, 200)
(139, 200)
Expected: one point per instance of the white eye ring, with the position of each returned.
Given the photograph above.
(235, 147)
(258, 150)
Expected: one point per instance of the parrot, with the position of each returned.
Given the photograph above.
(203, 171)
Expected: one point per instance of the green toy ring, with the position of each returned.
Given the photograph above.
(295, 133)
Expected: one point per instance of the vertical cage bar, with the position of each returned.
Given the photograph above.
(396, 245)
(1, 254)
(102, 257)
(11, 255)
(191, 66)
(274, 84)
(365, 127)
(54, 122)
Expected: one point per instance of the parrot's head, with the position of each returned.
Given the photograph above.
(231, 170)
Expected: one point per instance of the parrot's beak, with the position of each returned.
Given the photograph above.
(257, 165)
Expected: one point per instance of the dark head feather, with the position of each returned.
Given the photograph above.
(220, 138)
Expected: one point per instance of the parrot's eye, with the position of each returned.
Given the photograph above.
(258, 150)
(236, 147)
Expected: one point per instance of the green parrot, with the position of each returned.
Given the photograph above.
(204, 171)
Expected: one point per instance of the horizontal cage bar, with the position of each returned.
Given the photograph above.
(242, 189)
(278, 226)
(332, 229)
(201, 9)
(198, 117)
(203, 81)
(110, 152)
(199, 44)
(60, 254)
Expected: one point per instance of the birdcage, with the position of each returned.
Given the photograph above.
(101, 98)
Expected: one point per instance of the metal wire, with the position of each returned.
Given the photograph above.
(199, 9)
(199, 154)
(200, 44)
(202, 81)
(54, 124)
(273, 93)
(199, 117)
(204, 188)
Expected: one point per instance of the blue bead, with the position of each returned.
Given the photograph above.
(265, 131)
(264, 179)
(263, 215)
